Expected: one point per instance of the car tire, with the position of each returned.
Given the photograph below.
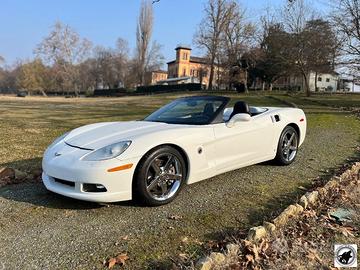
(159, 176)
(287, 146)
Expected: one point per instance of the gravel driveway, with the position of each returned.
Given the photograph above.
(41, 230)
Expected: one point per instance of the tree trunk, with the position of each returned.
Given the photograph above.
(306, 82)
(211, 78)
(271, 87)
(316, 79)
(245, 83)
(263, 86)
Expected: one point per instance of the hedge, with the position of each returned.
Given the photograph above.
(169, 88)
(110, 92)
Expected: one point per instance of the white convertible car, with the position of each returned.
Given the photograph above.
(186, 141)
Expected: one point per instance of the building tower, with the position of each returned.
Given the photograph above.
(183, 61)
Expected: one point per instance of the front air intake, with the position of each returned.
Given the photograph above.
(94, 188)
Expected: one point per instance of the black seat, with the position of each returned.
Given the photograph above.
(240, 107)
(209, 109)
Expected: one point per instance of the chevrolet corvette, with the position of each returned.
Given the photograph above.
(188, 140)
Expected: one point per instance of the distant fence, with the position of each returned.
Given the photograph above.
(169, 88)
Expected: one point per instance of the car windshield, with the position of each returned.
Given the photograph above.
(190, 111)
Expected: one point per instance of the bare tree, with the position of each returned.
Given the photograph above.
(236, 41)
(143, 37)
(105, 67)
(155, 58)
(324, 46)
(64, 48)
(212, 26)
(122, 60)
(32, 77)
(87, 75)
(274, 61)
(347, 21)
(295, 16)
(122, 48)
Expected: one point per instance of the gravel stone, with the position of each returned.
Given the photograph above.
(256, 233)
(312, 197)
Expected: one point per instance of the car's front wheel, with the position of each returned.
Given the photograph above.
(287, 147)
(159, 176)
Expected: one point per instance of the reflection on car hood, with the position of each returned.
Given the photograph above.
(102, 134)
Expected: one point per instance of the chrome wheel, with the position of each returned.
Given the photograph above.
(289, 145)
(163, 176)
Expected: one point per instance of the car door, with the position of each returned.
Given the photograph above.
(243, 144)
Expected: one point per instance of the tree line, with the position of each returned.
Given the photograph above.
(292, 40)
(65, 62)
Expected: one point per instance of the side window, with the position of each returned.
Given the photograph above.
(327, 80)
(319, 79)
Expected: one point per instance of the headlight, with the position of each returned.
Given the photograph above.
(107, 152)
(58, 139)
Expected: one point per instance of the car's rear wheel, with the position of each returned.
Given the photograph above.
(160, 176)
(287, 147)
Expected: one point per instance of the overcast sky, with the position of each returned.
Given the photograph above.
(23, 23)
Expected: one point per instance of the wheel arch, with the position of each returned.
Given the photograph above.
(177, 147)
(296, 127)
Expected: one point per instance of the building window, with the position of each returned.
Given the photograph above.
(185, 56)
(184, 72)
(327, 80)
(319, 79)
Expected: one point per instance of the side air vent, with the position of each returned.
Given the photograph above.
(275, 118)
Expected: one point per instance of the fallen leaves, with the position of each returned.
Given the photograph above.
(175, 217)
(254, 253)
(313, 255)
(10, 176)
(7, 173)
(118, 260)
(125, 238)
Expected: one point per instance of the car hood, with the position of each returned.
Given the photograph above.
(102, 134)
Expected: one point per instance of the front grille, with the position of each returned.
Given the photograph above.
(64, 182)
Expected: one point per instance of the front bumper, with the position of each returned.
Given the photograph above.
(58, 170)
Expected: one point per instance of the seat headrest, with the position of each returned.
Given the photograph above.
(209, 109)
(240, 107)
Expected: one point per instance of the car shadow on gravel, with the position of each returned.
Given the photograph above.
(36, 194)
(33, 191)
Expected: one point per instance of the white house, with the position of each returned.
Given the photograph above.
(324, 82)
(349, 84)
(349, 78)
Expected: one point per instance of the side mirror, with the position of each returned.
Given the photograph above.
(240, 117)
